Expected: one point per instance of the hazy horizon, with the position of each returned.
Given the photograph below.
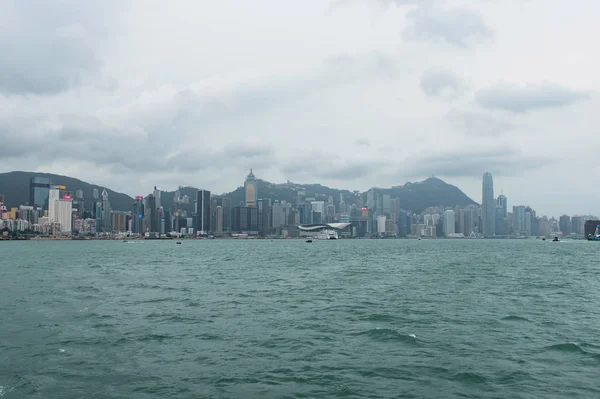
(349, 94)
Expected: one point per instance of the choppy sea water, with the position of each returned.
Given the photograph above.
(288, 319)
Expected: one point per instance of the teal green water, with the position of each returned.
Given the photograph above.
(288, 319)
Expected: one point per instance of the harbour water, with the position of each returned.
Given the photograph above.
(288, 319)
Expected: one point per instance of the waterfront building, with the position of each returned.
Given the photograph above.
(449, 223)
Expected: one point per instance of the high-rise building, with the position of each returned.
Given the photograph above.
(240, 219)
(118, 221)
(449, 223)
(503, 203)
(565, 224)
(300, 198)
(137, 215)
(106, 216)
(250, 189)
(278, 218)
(519, 219)
(27, 213)
(95, 194)
(203, 212)
(225, 204)
(264, 216)
(157, 196)
(488, 205)
(64, 214)
(577, 223)
(53, 197)
(499, 223)
(381, 224)
(219, 224)
(151, 215)
(39, 187)
(386, 204)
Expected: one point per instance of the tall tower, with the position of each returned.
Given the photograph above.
(488, 206)
(106, 219)
(250, 189)
(203, 212)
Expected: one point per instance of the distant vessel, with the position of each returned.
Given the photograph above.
(309, 240)
(327, 235)
(555, 239)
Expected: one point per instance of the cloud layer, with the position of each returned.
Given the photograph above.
(351, 93)
(528, 98)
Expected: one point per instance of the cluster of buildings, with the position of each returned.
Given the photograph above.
(55, 211)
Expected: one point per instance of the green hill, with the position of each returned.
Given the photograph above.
(15, 187)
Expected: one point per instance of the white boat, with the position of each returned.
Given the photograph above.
(327, 235)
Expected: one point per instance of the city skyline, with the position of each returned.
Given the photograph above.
(375, 93)
(375, 213)
(496, 195)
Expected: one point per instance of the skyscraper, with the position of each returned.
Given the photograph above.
(137, 215)
(38, 191)
(106, 218)
(225, 204)
(64, 214)
(53, 196)
(203, 211)
(449, 223)
(157, 196)
(503, 202)
(488, 205)
(250, 189)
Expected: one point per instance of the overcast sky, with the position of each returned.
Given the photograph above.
(346, 93)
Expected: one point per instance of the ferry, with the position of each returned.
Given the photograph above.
(596, 235)
(327, 235)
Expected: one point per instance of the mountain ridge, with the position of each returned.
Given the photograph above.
(414, 196)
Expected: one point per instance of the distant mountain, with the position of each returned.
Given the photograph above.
(15, 187)
(428, 193)
(413, 196)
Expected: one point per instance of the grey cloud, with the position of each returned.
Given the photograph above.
(505, 161)
(330, 167)
(48, 47)
(439, 82)
(527, 98)
(87, 139)
(478, 124)
(374, 64)
(457, 26)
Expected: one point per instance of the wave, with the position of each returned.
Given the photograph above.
(515, 318)
(388, 334)
(380, 317)
(570, 347)
(573, 347)
(468, 377)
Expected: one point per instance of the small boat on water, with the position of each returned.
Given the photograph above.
(309, 240)
(178, 242)
(555, 239)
